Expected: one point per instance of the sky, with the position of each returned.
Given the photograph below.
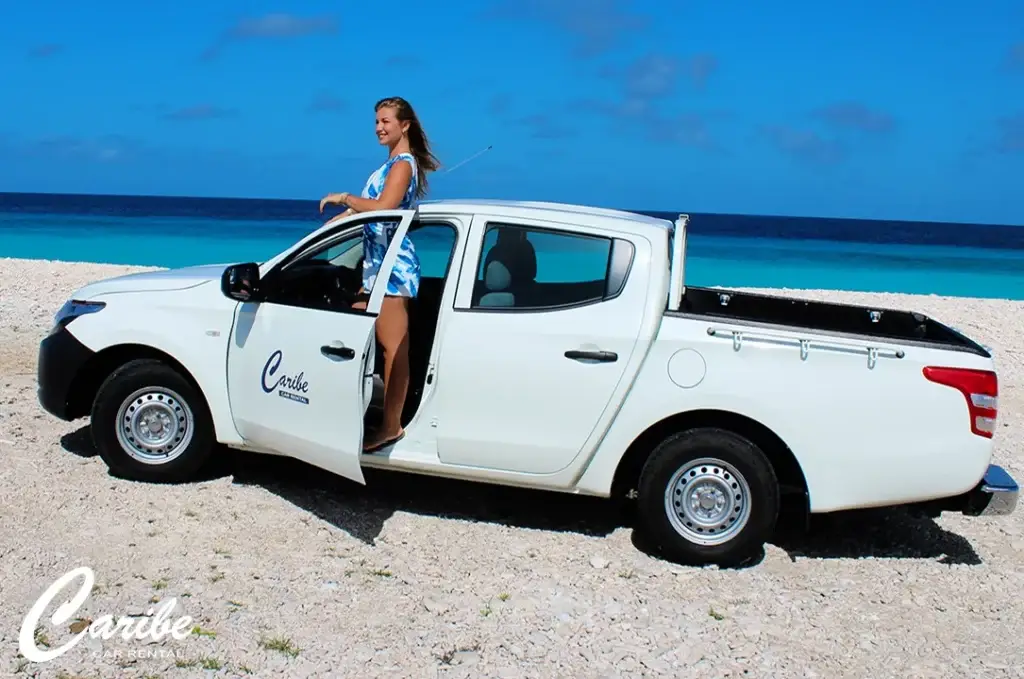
(881, 109)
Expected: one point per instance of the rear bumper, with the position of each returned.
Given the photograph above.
(995, 495)
(61, 358)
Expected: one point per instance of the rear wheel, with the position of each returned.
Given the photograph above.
(708, 496)
(150, 424)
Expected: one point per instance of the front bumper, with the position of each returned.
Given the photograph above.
(995, 495)
(61, 359)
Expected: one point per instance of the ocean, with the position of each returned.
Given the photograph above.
(969, 260)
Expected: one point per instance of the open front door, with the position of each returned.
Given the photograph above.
(297, 363)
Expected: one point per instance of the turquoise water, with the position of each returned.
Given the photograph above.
(713, 260)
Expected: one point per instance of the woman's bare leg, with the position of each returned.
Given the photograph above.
(393, 334)
(362, 301)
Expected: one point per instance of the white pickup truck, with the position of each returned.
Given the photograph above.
(554, 347)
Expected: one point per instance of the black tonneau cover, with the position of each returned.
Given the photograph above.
(846, 319)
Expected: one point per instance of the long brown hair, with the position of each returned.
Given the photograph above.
(426, 161)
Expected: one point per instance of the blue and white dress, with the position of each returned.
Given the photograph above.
(405, 277)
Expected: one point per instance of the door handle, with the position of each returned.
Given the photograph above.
(602, 356)
(341, 352)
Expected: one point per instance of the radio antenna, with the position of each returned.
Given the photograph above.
(472, 157)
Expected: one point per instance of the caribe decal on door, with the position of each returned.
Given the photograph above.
(291, 387)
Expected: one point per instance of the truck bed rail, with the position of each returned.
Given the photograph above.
(739, 338)
(845, 320)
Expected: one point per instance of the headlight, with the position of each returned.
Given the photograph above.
(72, 309)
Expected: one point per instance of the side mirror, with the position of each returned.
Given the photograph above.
(241, 282)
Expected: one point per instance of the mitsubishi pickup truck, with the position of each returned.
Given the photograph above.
(552, 347)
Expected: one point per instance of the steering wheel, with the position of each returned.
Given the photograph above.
(320, 283)
(337, 295)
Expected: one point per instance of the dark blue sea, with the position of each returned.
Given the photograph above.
(723, 250)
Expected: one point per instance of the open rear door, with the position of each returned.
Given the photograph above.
(296, 376)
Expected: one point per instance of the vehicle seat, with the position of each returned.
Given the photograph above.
(509, 270)
(497, 280)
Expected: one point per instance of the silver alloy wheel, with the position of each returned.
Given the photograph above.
(707, 501)
(154, 425)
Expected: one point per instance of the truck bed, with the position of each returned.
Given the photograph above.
(844, 319)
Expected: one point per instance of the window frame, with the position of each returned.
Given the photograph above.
(621, 256)
(300, 256)
(354, 231)
(329, 230)
(327, 242)
(438, 221)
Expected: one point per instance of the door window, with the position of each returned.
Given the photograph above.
(533, 268)
(348, 252)
(433, 241)
(328, 276)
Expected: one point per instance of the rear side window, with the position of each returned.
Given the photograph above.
(533, 268)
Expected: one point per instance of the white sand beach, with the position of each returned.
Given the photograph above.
(291, 573)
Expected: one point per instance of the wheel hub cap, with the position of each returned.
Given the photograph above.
(154, 425)
(708, 501)
(705, 498)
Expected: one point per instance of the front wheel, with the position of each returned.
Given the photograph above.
(708, 496)
(150, 424)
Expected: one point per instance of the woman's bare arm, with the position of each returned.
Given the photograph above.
(395, 187)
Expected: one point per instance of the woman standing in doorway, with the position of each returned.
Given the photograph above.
(397, 184)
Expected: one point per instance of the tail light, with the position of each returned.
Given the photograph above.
(979, 387)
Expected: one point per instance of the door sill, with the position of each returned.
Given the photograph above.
(410, 452)
(401, 456)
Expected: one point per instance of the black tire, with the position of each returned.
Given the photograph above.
(184, 413)
(732, 463)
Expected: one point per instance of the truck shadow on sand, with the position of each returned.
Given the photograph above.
(361, 511)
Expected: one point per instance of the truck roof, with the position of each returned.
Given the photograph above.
(544, 210)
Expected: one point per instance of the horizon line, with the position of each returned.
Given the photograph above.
(645, 212)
